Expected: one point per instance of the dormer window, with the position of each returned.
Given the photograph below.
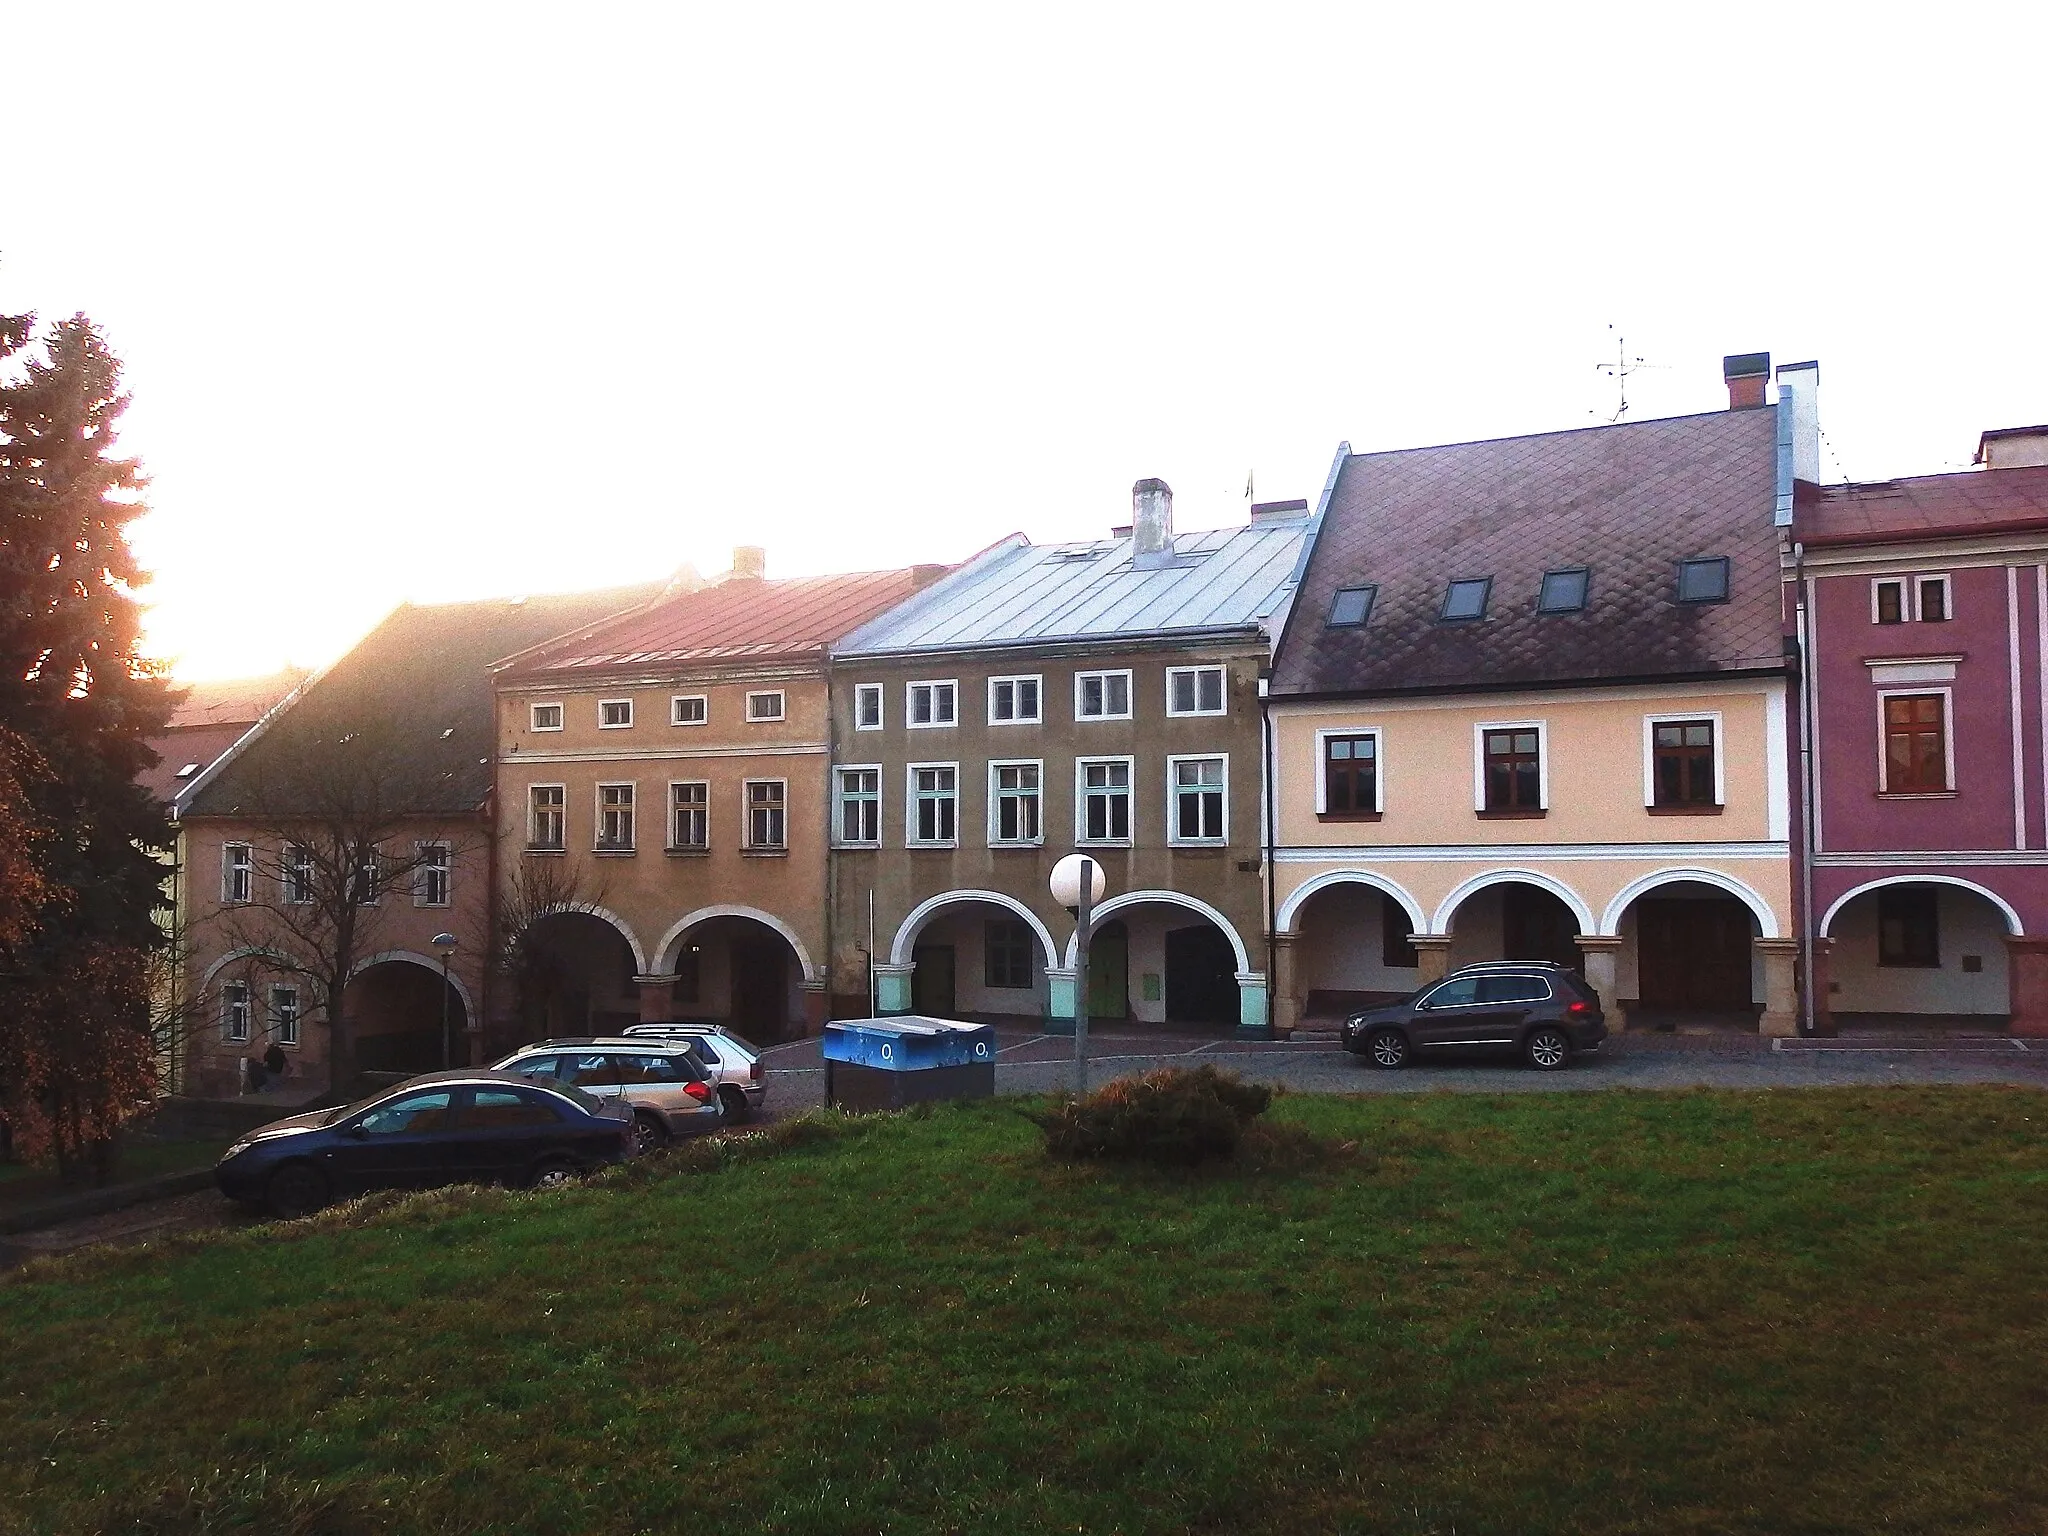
(1563, 591)
(1351, 607)
(1467, 599)
(1704, 580)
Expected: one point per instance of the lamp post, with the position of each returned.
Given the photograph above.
(1077, 885)
(444, 946)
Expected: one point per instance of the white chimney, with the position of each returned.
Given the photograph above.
(1151, 525)
(1799, 383)
(749, 563)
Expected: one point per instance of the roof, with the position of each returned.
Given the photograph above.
(234, 700)
(1627, 501)
(740, 619)
(414, 695)
(1926, 507)
(1018, 593)
(183, 752)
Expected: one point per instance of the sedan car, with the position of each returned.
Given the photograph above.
(666, 1084)
(1545, 1013)
(443, 1128)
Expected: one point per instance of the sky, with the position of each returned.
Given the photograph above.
(428, 302)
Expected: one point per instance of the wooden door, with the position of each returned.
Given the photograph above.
(760, 986)
(1109, 973)
(931, 984)
(1692, 953)
(1201, 976)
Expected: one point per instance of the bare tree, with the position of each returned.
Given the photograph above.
(527, 970)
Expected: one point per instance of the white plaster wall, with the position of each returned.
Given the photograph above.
(1147, 927)
(1969, 925)
(1340, 945)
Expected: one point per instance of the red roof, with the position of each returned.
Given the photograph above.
(236, 699)
(1927, 507)
(738, 619)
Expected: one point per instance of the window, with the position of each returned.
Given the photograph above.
(504, 1109)
(1563, 591)
(414, 1115)
(764, 706)
(430, 885)
(1007, 954)
(1513, 768)
(615, 818)
(284, 1014)
(1467, 599)
(1102, 695)
(934, 800)
(234, 1011)
(614, 714)
(1915, 743)
(1194, 690)
(1934, 604)
(544, 816)
(1105, 800)
(547, 717)
(867, 707)
(1513, 989)
(1888, 602)
(1704, 580)
(689, 709)
(1682, 764)
(369, 879)
(1013, 803)
(1351, 607)
(296, 873)
(928, 705)
(859, 793)
(1458, 992)
(1013, 701)
(237, 872)
(1351, 774)
(1198, 811)
(767, 818)
(689, 817)
(1908, 927)
(1396, 953)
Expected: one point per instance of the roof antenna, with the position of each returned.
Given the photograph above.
(1619, 370)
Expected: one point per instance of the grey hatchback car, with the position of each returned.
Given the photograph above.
(664, 1083)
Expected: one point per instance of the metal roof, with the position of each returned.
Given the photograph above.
(1018, 593)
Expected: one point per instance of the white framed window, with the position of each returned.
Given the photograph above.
(1351, 778)
(1198, 800)
(369, 878)
(689, 709)
(1102, 695)
(614, 714)
(545, 717)
(1932, 599)
(1016, 700)
(857, 805)
(615, 818)
(689, 816)
(234, 1011)
(1889, 603)
(544, 816)
(1511, 763)
(867, 706)
(284, 1014)
(237, 873)
(432, 875)
(767, 813)
(1682, 761)
(1916, 740)
(1102, 801)
(295, 875)
(934, 820)
(931, 706)
(1016, 803)
(764, 706)
(1194, 691)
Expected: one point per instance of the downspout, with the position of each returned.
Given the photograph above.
(1266, 795)
(1807, 790)
(488, 958)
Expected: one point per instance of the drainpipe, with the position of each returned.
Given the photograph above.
(1266, 756)
(1807, 790)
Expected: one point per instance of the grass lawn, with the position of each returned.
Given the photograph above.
(1813, 1311)
(141, 1157)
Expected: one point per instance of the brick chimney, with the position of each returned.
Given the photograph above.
(1748, 375)
(1151, 525)
(749, 562)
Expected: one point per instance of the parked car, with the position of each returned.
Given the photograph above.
(668, 1086)
(1544, 1012)
(742, 1081)
(443, 1128)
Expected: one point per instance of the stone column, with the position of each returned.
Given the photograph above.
(817, 1003)
(1601, 955)
(1285, 1000)
(2027, 973)
(1781, 986)
(1432, 956)
(892, 988)
(657, 998)
(1252, 1021)
(1059, 1000)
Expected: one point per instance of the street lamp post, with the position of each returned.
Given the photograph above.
(1077, 885)
(445, 945)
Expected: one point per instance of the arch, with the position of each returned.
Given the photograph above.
(261, 951)
(1448, 908)
(1290, 909)
(1766, 919)
(589, 909)
(1174, 899)
(431, 962)
(728, 909)
(906, 935)
(2012, 918)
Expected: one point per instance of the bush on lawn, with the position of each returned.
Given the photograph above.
(1173, 1117)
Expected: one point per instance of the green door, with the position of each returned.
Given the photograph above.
(1109, 981)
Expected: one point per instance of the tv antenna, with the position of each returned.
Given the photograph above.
(1619, 370)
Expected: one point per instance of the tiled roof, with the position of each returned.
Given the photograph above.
(1018, 593)
(1627, 501)
(735, 620)
(1926, 506)
(226, 701)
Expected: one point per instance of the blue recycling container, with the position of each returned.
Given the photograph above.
(909, 1059)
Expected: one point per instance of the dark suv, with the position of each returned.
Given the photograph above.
(1546, 1012)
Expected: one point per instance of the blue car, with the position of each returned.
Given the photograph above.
(470, 1126)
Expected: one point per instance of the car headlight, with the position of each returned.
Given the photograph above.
(238, 1148)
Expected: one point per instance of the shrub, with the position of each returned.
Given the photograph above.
(1173, 1116)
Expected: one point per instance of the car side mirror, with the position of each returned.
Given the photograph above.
(354, 1132)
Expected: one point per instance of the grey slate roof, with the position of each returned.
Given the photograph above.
(1019, 593)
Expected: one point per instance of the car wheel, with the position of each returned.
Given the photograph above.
(649, 1134)
(553, 1173)
(735, 1103)
(295, 1190)
(1387, 1050)
(1547, 1049)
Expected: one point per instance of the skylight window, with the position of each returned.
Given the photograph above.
(1563, 591)
(188, 770)
(1704, 580)
(1467, 599)
(1351, 607)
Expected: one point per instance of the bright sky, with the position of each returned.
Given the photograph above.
(435, 301)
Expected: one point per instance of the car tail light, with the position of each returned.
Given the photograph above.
(1580, 1008)
(754, 1072)
(701, 1092)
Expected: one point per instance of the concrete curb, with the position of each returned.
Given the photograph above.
(97, 1202)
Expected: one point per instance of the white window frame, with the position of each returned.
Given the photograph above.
(996, 841)
(863, 692)
(1948, 596)
(910, 720)
(747, 807)
(1222, 690)
(755, 717)
(1542, 730)
(839, 801)
(614, 725)
(1905, 586)
(237, 875)
(228, 1032)
(376, 867)
(1173, 837)
(1379, 758)
(910, 802)
(287, 867)
(1081, 837)
(1037, 681)
(1713, 717)
(1130, 694)
(533, 717)
(674, 845)
(675, 709)
(278, 1029)
(561, 844)
(424, 871)
(1948, 737)
(597, 842)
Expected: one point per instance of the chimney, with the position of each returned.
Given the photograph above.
(1278, 511)
(1151, 525)
(749, 562)
(922, 576)
(1799, 393)
(2013, 448)
(1748, 374)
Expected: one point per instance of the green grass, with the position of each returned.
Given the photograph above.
(141, 1157)
(1783, 1312)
